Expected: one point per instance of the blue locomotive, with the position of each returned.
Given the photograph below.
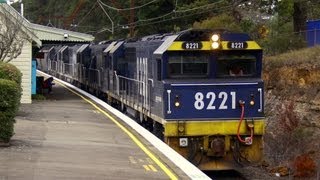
(199, 90)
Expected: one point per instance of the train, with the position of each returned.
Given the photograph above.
(200, 91)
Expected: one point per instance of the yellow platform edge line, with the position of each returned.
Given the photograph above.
(153, 168)
(146, 167)
(133, 137)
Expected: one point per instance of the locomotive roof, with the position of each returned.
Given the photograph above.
(205, 35)
(82, 48)
(164, 46)
(110, 47)
(116, 46)
(46, 48)
(197, 35)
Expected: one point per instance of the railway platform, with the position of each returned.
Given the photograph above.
(72, 136)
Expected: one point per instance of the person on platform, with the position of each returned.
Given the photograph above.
(47, 84)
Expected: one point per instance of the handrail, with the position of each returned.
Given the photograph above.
(133, 90)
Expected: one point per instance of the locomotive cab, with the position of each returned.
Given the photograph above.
(212, 98)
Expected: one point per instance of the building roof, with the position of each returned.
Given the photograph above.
(5, 8)
(40, 33)
(46, 33)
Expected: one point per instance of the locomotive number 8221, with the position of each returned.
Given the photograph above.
(199, 90)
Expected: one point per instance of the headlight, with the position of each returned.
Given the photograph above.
(252, 99)
(215, 37)
(215, 45)
(176, 104)
(177, 101)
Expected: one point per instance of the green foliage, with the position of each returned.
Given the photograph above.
(10, 72)
(10, 88)
(281, 38)
(6, 128)
(285, 8)
(9, 105)
(38, 97)
(313, 10)
(247, 25)
(223, 21)
(9, 96)
(167, 16)
(90, 18)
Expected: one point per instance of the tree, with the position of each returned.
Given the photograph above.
(299, 16)
(223, 21)
(12, 36)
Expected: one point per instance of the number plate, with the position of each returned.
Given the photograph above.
(237, 45)
(210, 97)
(192, 45)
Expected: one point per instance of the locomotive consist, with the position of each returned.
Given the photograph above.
(199, 90)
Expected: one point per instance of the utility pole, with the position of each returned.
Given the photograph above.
(131, 18)
(21, 8)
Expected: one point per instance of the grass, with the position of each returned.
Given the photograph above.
(305, 57)
(38, 97)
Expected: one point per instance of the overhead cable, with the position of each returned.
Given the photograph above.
(207, 6)
(174, 18)
(94, 6)
(203, 6)
(127, 9)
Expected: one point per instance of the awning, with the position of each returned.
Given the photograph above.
(46, 33)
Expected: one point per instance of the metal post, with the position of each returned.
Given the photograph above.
(131, 18)
(22, 11)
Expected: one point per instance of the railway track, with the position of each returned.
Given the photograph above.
(225, 175)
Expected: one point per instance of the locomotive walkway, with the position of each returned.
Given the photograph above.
(67, 136)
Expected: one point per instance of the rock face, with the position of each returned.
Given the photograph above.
(292, 106)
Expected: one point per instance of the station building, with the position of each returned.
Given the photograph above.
(37, 35)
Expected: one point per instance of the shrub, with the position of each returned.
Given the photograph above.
(10, 93)
(9, 96)
(10, 72)
(6, 128)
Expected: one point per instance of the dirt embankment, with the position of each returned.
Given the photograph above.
(292, 106)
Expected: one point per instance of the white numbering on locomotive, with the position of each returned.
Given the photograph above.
(192, 45)
(237, 45)
(223, 97)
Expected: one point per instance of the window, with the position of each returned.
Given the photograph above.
(188, 65)
(236, 65)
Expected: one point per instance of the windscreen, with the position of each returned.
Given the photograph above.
(236, 65)
(188, 65)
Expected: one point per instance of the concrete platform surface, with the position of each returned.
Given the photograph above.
(64, 137)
